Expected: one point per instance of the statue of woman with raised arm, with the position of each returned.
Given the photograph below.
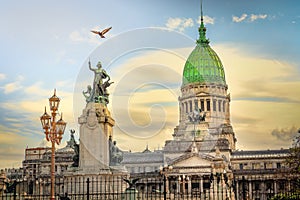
(99, 75)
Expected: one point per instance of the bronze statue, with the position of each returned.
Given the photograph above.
(73, 144)
(101, 82)
(88, 94)
(131, 183)
(100, 74)
(101, 33)
(197, 116)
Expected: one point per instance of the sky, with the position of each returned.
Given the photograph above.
(46, 45)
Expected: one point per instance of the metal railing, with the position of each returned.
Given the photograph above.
(114, 187)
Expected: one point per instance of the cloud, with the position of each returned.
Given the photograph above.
(13, 86)
(20, 124)
(239, 19)
(260, 101)
(36, 89)
(285, 134)
(251, 18)
(151, 74)
(179, 24)
(206, 20)
(2, 76)
(256, 17)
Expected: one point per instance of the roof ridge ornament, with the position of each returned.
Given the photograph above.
(202, 30)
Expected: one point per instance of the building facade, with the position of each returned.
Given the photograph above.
(37, 160)
(202, 157)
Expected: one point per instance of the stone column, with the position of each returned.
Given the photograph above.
(178, 185)
(215, 185)
(211, 190)
(167, 185)
(189, 185)
(237, 190)
(191, 105)
(227, 110)
(182, 111)
(183, 186)
(196, 103)
(263, 193)
(201, 184)
(250, 189)
(222, 189)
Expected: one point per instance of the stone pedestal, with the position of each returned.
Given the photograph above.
(95, 128)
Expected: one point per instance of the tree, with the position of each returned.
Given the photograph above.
(293, 162)
(293, 159)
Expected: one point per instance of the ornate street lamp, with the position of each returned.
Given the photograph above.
(164, 170)
(53, 130)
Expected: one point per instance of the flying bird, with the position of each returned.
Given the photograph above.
(101, 34)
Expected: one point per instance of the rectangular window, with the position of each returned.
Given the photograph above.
(208, 105)
(214, 105)
(191, 106)
(278, 165)
(219, 105)
(256, 186)
(202, 105)
(224, 106)
(281, 185)
(269, 185)
(241, 166)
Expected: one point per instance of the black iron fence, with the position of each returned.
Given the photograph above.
(146, 187)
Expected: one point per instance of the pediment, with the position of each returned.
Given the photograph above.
(191, 160)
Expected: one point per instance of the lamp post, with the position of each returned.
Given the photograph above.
(53, 130)
(163, 171)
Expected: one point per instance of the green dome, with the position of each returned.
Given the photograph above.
(203, 64)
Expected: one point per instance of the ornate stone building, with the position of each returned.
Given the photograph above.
(202, 157)
(38, 160)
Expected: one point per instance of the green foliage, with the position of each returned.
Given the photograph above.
(293, 160)
(293, 196)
